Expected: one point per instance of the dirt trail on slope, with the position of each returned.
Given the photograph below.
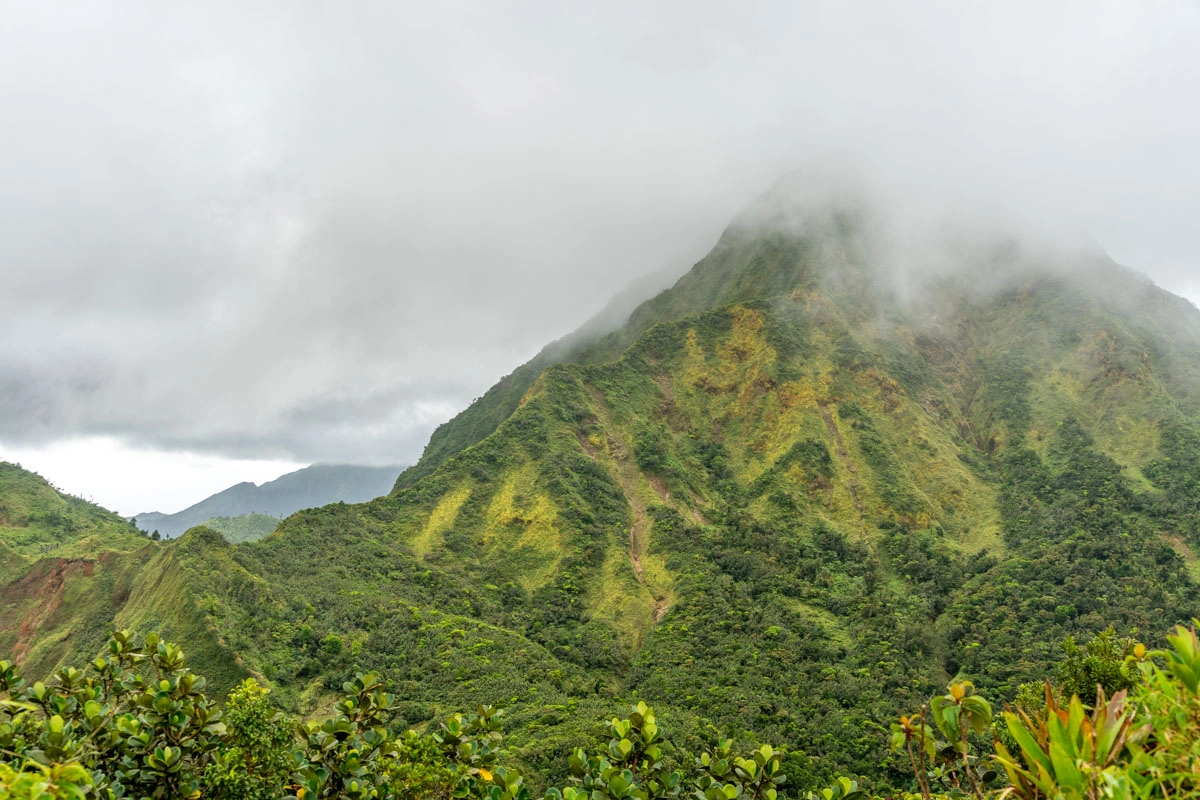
(844, 456)
(661, 606)
(637, 530)
(627, 475)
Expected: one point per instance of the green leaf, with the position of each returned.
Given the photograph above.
(1031, 751)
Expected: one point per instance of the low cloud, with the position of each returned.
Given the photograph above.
(309, 232)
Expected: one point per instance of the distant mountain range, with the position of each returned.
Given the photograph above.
(317, 485)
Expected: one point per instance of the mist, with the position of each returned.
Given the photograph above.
(299, 232)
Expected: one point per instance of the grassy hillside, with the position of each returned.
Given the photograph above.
(70, 571)
(36, 519)
(243, 528)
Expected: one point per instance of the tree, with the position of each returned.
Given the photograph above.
(136, 719)
(1102, 662)
(255, 759)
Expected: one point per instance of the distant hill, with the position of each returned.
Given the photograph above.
(310, 487)
(244, 527)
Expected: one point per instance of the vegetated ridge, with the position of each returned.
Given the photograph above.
(70, 571)
(792, 497)
(243, 528)
(316, 485)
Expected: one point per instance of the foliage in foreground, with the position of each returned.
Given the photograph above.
(1142, 742)
(135, 723)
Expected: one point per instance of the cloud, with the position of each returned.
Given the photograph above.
(97, 469)
(307, 232)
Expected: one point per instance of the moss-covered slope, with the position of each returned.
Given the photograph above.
(71, 571)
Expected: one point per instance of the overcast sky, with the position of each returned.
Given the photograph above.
(240, 237)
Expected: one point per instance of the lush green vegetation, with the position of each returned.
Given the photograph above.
(38, 520)
(1136, 741)
(137, 723)
(244, 527)
(74, 571)
(66, 566)
(785, 551)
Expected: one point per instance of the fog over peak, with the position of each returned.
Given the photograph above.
(307, 232)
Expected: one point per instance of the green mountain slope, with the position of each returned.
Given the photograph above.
(244, 527)
(747, 262)
(792, 497)
(70, 571)
(778, 501)
(36, 520)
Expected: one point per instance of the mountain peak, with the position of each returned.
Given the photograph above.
(312, 486)
(875, 249)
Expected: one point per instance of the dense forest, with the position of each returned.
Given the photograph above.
(136, 722)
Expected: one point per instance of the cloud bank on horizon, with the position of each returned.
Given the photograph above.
(306, 232)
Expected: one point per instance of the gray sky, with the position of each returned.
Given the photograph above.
(261, 234)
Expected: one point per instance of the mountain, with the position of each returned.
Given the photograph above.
(37, 520)
(70, 571)
(316, 485)
(485, 415)
(834, 465)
